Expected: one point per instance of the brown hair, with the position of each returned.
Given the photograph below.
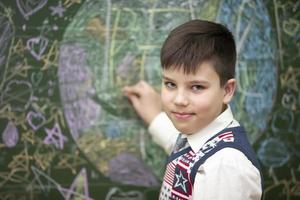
(198, 41)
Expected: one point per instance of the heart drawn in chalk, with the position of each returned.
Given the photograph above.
(29, 7)
(35, 120)
(37, 46)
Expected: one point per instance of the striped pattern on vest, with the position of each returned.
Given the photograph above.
(178, 182)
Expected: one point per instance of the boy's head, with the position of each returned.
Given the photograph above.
(198, 41)
(198, 61)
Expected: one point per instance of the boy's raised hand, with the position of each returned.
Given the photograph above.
(145, 100)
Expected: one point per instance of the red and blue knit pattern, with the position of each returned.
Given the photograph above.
(177, 184)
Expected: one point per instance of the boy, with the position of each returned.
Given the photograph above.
(215, 160)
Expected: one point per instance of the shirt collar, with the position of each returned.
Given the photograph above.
(197, 140)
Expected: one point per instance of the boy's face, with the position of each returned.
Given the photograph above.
(192, 101)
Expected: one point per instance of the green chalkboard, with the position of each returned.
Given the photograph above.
(67, 132)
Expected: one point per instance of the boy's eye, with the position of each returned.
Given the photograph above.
(197, 87)
(169, 84)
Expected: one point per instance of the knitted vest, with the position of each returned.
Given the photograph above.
(182, 166)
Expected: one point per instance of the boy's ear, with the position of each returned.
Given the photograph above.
(229, 89)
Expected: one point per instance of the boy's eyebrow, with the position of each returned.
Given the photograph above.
(191, 82)
(199, 82)
(165, 77)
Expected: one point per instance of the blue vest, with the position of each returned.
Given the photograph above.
(182, 166)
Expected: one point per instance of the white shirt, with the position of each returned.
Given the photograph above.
(228, 174)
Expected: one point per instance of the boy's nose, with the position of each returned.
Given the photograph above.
(181, 99)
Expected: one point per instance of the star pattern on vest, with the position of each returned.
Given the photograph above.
(211, 144)
(180, 182)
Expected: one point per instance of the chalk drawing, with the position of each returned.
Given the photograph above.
(6, 34)
(30, 7)
(55, 137)
(35, 119)
(116, 48)
(37, 46)
(273, 153)
(63, 64)
(289, 100)
(117, 193)
(58, 10)
(70, 161)
(256, 70)
(78, 189)
(282, 121)
(10, 135)
(18, 94)
(75, 88)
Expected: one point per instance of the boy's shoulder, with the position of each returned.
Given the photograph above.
(229, 146)
(230, 158)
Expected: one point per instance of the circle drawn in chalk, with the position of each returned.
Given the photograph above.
(106, 47)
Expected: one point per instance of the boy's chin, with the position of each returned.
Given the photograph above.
(185, 130)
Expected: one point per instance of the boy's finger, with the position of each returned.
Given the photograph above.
(129, 93)
(135, 89)
(135, 101)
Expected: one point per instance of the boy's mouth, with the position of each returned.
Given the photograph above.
(182, 115)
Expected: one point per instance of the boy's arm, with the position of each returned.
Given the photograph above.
(163, 132)
(147, 103)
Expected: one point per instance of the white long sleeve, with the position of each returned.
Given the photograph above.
(163, 132)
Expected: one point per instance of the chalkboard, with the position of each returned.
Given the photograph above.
(67, 132)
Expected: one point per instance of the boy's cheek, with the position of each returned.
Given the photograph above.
(166, 96)
(164, 103)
